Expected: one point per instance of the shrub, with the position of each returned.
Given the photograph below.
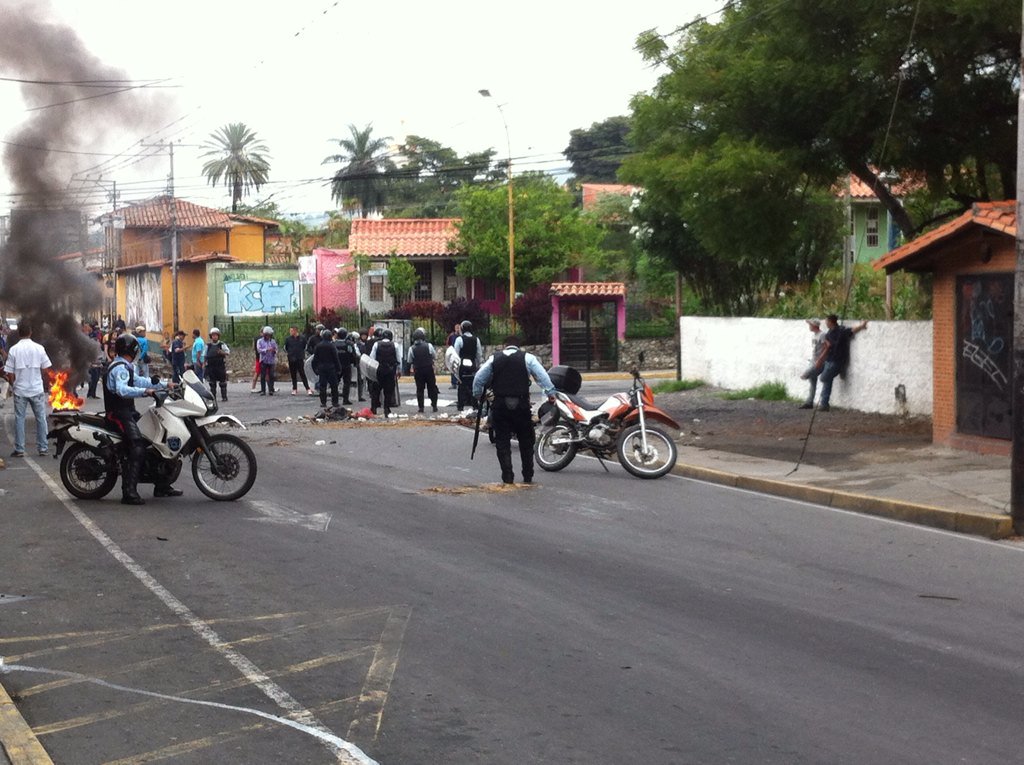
(418, 309)
(532, 312)
(464, 309)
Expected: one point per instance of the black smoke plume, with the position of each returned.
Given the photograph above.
(65, 113)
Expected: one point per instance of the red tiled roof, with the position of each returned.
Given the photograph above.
(860, 190)
(404, 237)
(588, 289)
(156, 213)
(591, 191)
(997, 216)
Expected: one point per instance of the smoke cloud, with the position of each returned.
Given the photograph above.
(39, 155)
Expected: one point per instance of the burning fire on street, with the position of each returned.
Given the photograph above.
(60, 397)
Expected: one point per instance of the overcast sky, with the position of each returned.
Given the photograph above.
(299, 72)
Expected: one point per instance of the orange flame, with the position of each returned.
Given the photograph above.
(60, 397)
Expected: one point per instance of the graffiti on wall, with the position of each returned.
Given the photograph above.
(243, 295)
(985, 337)
(142, 301)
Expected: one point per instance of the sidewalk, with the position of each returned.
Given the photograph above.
(932, 486)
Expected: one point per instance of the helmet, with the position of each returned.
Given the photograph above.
(319, 327)
(467, 326)
(388, 334)
(140, 329)
(214, 331)
(342, 332)
(267, 331)
(378, 332)
(353, 336)
(326, 334)
(126, 345)
(419, 334)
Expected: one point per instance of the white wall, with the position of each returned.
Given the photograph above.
(740, 353)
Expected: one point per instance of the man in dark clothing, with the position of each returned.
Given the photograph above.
(470, 354)
(178, 356)
(834, 356)
(508, 375)
(119, 393)
(421, 359)
(386, 356)
(327, 367)
(372, 387)
(347, 356)
(295, 348)
(217, 352)
(358, 349)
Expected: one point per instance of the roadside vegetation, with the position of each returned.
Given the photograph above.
(769, 391)
(675, 386)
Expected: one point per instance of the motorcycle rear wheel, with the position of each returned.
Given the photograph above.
(87, 473)
(659, 459)
(236, 464)
(551, 451)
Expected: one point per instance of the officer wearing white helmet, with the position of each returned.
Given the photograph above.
(217, 352)
(266, 348)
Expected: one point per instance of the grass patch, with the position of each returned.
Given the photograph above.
(674, 386)
(769, 391)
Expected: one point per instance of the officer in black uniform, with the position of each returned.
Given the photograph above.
(217, 352)
(421, 359)
(508, 374)
(347, 356)
(470, 354)
(119, 394)
(327, 367)
(386, 356)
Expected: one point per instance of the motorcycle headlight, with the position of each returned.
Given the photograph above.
(211, 406)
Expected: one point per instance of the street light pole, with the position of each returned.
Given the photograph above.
(511, 213)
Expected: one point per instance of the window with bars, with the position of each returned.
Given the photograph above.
(424, 289)
(451, 281)
(872, 227)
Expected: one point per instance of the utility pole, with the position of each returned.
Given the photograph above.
(1017, 400)
(511, 215)
(174, 246)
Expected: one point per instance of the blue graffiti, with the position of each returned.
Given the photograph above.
(271, 296)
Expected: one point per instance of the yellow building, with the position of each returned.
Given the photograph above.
(161, 249)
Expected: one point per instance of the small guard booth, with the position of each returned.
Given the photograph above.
(973, 259)
(588, 319)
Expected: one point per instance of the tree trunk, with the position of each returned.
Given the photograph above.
(880, 190)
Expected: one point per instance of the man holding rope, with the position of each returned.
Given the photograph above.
(834, 356)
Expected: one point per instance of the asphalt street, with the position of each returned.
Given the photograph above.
(375, 590)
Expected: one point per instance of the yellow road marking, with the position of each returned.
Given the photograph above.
(370, 709)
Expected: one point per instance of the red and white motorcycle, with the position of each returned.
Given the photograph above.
(620, 425)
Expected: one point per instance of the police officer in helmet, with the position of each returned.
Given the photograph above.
(421, 359)
(120, 389)
(508, 374)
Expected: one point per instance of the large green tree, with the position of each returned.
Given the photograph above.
(831, 87)
(236, 156)
(595, 153)
(551, 234)
(428, 175)
(361, 183)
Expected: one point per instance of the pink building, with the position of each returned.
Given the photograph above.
(336, 285)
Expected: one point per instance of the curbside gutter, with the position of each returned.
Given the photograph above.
(990, 525)
(16, 737)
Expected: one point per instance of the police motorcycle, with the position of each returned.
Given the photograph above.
(176, 429)
(620, 426)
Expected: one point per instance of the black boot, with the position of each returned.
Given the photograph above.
(166, 490)
(505, 461)
(130, 484)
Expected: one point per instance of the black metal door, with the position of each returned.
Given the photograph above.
(984, 350)
(587, 336)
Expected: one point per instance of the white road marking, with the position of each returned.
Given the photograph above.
(286, 516)
(346, 752)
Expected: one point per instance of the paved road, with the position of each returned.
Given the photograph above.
(595, 618)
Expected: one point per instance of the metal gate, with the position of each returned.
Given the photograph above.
(587, 335)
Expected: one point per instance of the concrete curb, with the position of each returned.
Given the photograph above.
(991, 525)
(19, 742)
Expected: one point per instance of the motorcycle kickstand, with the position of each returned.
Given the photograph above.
(602, 462)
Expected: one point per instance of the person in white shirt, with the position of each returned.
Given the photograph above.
(23, 369)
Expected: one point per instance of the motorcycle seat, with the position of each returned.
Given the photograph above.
(581, 402)
(93, 419)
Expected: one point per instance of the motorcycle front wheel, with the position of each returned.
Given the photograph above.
(658, 459)
(554, 449)
(236, 468)
(87, 473)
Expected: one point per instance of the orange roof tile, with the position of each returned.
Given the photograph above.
(860, 190)
(588, 289)
(591, 191)
(997, 216)
(404, 237)
(156, 213)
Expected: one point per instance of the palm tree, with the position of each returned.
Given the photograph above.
(362, 178)
(238, 157)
